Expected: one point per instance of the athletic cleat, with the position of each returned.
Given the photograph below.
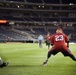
(4, 64)
(45, 63)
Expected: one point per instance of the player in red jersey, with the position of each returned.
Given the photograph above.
(47, 40)
(58, 41)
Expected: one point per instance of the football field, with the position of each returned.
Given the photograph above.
(27, 59)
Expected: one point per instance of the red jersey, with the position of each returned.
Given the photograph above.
(59, 40)
(47, 37)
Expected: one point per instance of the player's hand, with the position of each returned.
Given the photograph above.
(68, 46)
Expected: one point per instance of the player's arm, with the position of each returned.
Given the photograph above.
(68, 44)
(67, 40)
(51, 41)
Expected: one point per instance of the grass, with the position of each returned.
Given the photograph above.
(26, 59)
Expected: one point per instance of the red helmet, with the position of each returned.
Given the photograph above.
(59, 30)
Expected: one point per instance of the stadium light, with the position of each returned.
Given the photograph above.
(39, 6)
(18, 6)
(42, 6)
(71, 4)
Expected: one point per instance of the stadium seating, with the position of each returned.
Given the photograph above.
(34, 17)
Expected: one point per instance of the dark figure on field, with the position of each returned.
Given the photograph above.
(47, 40)
(58, 41)
(9, 39)
(3, 64)
(40, 40)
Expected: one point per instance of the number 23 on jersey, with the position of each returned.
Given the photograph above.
(59, 37)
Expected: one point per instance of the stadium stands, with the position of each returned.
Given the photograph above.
(35, 17)
(16, 0)
(34, 1)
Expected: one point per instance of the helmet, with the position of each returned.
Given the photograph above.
(59, 30)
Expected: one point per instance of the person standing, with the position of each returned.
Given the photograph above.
(40, 40)
(47, 40)
(58, 41)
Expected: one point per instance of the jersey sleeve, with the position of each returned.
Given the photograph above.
(66, 38)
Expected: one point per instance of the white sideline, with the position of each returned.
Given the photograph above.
(72, 43)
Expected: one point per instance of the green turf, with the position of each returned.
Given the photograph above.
(26, 59)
